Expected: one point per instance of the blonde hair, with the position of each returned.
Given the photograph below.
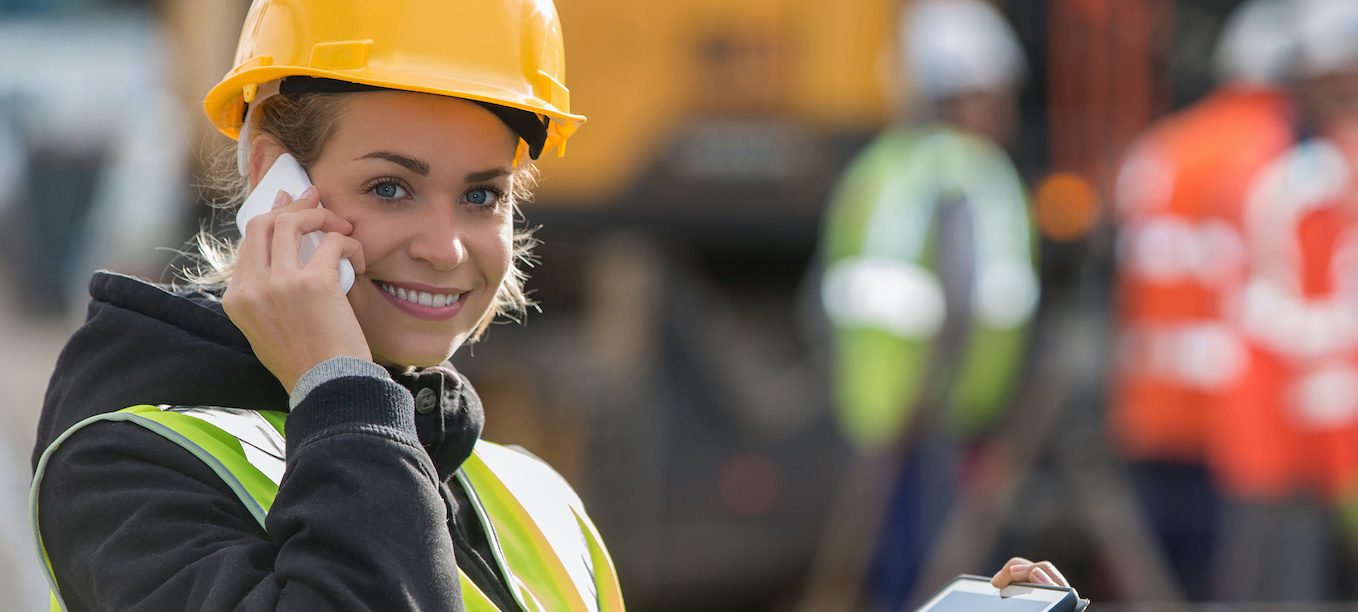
(303, 123)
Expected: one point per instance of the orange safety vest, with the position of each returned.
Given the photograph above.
(1180, 250)
(1290, 424)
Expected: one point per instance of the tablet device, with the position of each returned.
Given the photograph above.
(969, 593)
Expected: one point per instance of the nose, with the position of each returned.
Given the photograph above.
(438, 239)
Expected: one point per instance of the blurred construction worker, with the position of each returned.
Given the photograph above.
(1284, 443)
(1180, 252)
(929, 281)
(263, 437)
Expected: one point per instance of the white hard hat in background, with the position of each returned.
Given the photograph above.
(952, 47)
(1327, 37)
(1257, 43)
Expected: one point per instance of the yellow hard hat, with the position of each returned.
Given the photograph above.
(506, 53)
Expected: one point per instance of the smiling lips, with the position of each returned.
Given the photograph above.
(421, 299)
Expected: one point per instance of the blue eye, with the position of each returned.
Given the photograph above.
(482, 196)
(389, 191)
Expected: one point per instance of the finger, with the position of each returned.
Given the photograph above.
(311, 218)
(291, 226)
(1046, 573)
(281, 199)
(1007, 573)
(252, 253)
(283, 249)
(335, 246)
(310, 193)
(1049, 569)
(1039, 576)
(309, 198)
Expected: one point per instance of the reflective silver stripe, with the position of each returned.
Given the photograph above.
(1006, 293)
(264, 447)
(1201, 354)
(1169, 248)
(554, 508)
(905, 201)
(1325, 398)
(1294, 325)
(1311, 175)
(941, 167)
(897, 296)
(516, 588)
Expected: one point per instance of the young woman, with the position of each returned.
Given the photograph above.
(270, 441)
(263, 440)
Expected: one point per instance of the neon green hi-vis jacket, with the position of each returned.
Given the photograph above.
(888, 259)
(546, 547)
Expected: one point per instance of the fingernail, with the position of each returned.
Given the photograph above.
(1018, 569)
(279, 198)
(1040, 577)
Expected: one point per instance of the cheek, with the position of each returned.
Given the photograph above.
(499, 251)
(375, 242)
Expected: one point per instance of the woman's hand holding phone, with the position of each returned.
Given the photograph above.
(295, 314)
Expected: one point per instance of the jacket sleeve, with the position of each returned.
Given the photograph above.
(133, 521)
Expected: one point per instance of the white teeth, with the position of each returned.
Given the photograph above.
(436, 300)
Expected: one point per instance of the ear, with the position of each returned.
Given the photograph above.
(264, 151)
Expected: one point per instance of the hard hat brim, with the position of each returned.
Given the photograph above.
(225, 104)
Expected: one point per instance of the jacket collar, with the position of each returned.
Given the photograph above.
(448, 414)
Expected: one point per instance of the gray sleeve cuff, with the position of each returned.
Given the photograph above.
(330, 369)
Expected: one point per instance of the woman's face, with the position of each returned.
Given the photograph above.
(425, 181)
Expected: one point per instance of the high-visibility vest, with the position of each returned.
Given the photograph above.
(542, 541)
(883, 289)
(1291, 425)
(1180, 253)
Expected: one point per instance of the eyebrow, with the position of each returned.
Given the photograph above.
(422, 168)
(488, 175)
(414, 165)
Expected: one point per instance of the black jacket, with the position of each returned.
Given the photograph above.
(367, 516)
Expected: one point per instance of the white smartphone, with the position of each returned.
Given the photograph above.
(970, 593)
(286, 174)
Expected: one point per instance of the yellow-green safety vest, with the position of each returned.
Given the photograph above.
(544, 544)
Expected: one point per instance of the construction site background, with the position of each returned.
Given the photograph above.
(677, 373)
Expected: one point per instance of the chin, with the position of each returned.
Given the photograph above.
(415, 357)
